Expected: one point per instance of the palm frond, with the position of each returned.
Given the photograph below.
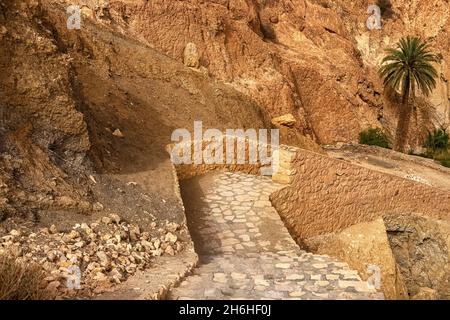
(409, 66)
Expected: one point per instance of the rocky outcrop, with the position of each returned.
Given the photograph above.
(365, 247)
(425, 294)
(410, 251)
(43, 136)
(287, 120)
(421, 249)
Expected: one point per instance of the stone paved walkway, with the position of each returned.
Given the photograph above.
(246, 251)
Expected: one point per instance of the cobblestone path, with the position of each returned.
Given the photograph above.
(246, 251)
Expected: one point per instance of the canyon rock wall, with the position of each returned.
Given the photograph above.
(314, 59)
(42, 134)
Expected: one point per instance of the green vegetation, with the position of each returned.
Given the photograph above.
(437, 144)
(405, 70)
(437, 141)
(445, 162)
(374, 137)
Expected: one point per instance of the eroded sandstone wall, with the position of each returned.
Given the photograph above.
(327, 195)
(314, 59)
(43, 136)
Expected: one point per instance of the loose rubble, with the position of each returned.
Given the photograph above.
(104, 253)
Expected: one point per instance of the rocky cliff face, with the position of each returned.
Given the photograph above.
(315, 59)
(43, 137)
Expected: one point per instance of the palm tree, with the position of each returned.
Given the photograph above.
(404, 70)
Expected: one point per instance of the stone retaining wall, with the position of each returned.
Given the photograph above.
(327, 195)
(186, 171)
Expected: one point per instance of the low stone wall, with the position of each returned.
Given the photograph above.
(187, 171)
(327, 195)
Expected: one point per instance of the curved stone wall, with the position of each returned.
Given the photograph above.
(186, 171)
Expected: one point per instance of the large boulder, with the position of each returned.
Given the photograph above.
(421, 248)
(425, 294)
(365, 247)
(287, 120)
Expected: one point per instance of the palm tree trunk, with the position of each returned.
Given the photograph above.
(404, 118)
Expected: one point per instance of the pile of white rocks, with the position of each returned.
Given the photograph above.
(90, 259)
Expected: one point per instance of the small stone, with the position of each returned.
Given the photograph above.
(100, 276)
(220, 277)
(116, 275)
(134, 233)
(91, 177)
(14, 233)
(106, 220)
(115, 218)
(156, 253)
(84, 226)
(79, 244)
(104, 260)
(51, 256)
(296, 294)
(238, 276)
(94, 226)
(295, 277)
(70, 236)
(317, 277)
(332, 277)
(118, 133)
(53, 286)
(147, 245)
(283, 265)
(170, 237)
(262, 282)
(169, 250)
(274, 19)
(322, 283)
(98, 206)
(172, 226)
(53, 229)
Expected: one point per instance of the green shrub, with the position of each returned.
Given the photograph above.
(445, 162)
(437, 144)
(438, 140)
(374, 137)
